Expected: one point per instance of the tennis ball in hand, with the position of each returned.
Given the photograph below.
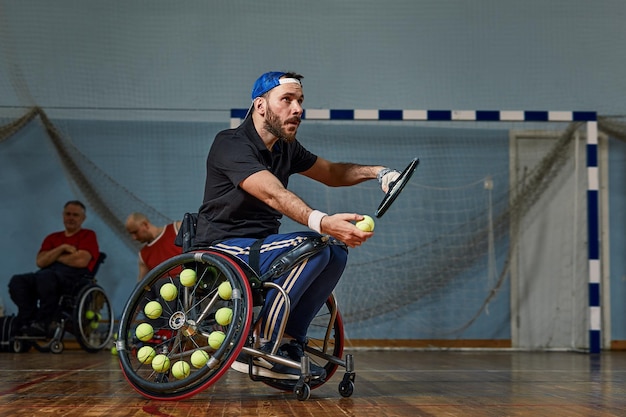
(224, 316)
(366, 225)
(199, 358)
(153, 310)
(180, 369)
(168, 292)
(225, 290)
(161, 363)
(144, 332)
(146, 354)
(188, 277)
(216, 339)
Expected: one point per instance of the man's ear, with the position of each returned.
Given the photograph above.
(259, 105)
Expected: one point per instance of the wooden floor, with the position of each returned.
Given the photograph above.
(388, 383)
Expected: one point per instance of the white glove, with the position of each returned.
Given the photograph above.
(386, 176)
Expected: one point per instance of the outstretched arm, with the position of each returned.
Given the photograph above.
(267, 188)
(340, 174)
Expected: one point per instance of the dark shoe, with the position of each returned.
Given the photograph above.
(295, 351)
(265, 368)
(36, 329)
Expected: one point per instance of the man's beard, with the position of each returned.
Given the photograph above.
(274, 126)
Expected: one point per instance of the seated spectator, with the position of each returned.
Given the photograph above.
(64, 257)
(159, 241)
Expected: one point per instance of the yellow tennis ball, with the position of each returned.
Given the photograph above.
(161, 363)
(153, 310)
(114, 351)
(144, 332)
(180, 369)
(89, 314)
(146, 354)
(216, 339)
(366, 225)
(225, 290)
(188, 277)
(199, 358)
(94, 325)
(168, 292)
(224, 316)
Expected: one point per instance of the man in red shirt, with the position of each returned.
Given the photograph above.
(159, 241)
(64, 258)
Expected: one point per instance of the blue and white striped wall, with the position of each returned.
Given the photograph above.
(593, 209)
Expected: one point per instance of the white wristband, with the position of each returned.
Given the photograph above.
(315, 220)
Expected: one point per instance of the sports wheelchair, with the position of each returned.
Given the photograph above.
(85, 312)
(185, 345)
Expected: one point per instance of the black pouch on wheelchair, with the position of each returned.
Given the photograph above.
(187, 233)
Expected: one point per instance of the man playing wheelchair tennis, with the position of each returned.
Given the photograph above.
(245, 196)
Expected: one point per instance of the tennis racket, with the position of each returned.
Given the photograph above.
(396, 187)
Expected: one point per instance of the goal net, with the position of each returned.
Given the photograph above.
(440, 265)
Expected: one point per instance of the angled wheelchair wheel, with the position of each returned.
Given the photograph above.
(324, 348)
(92, 319)
(184, 325)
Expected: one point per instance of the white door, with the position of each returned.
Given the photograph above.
(549, 269)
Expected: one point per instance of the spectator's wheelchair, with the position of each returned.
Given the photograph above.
(175, 340)
(84, 311)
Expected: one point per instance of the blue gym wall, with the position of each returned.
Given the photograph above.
(411, 54)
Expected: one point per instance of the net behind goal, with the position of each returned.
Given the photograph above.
(485, 240)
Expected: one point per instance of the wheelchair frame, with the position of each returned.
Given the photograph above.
(188, 322)
(85, 312)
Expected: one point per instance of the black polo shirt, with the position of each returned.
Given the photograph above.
(229, 212)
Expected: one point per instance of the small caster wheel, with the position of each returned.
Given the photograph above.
(20, 346)
(302, 392)
(346, 388)
(56, 347)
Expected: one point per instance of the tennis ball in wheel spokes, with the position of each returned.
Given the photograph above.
(199, 358)
(216, 339)
(224, 316)
(188, 277)
(168, 291)
(225, 290)
(145, 354)
(89, 315)
(366, 225)
(153, 310)
(161, 363)
(144, 332)
(180, 369)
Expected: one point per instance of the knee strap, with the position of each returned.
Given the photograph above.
(304, 250)
(254, 259)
